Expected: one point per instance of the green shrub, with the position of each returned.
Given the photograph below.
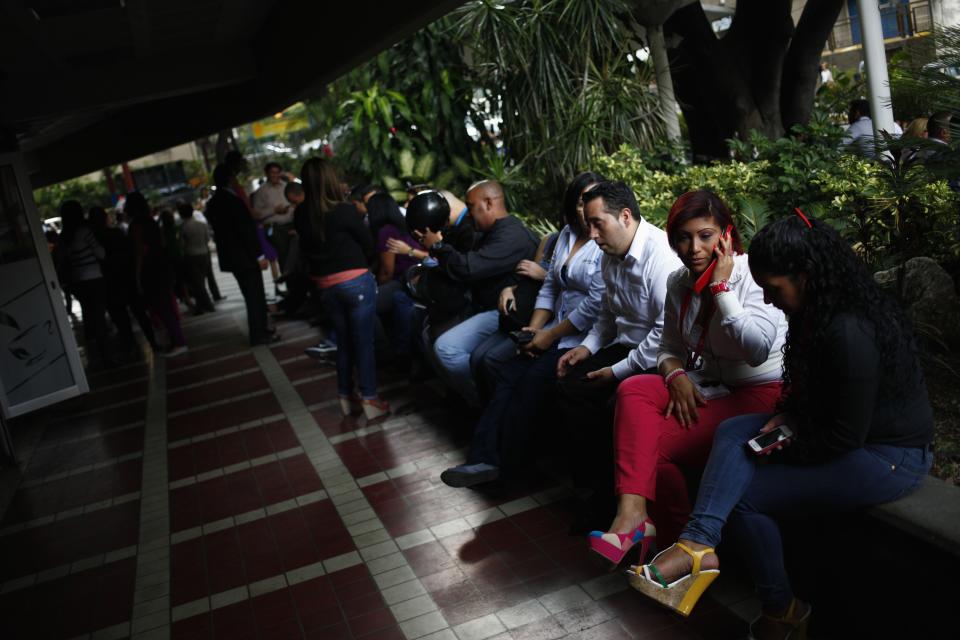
(889, 212)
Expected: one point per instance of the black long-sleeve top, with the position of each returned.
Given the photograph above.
(490, 266)
(347, 243)
(852, 402)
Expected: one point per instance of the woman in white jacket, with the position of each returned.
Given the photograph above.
(720, 356)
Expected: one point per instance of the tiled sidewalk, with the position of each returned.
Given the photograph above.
(221, 495)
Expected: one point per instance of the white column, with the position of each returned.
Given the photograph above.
(878, 81)
(668, 103)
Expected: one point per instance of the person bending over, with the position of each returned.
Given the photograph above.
(623, 341)
(856, 403)
(721, 342)
(565, 309)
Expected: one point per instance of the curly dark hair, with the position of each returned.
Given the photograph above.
(837, 282)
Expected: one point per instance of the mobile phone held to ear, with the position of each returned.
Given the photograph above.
(767, 441)
(707, 276)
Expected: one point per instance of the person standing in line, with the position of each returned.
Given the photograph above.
(153, 274)
(81, 256)
(196, 249)
(339, 248)
(239, 252)
(274, 214)
(118, 271)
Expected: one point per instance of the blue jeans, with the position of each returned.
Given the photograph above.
(525, 387)
(747, 492)
(352, 308)
(454, 347)
(486, 360)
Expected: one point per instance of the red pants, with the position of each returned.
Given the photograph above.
(652, 451)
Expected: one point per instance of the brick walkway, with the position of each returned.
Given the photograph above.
(221, 495)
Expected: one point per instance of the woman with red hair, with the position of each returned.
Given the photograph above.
(720, 356)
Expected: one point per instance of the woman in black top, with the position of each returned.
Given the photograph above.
(338, 249)
(857, 405)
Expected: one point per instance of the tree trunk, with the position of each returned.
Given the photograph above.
(801, 68)
(753, 77)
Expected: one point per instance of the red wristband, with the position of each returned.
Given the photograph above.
(716, 288)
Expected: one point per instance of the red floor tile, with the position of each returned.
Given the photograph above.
(304, 368)
(364, 625)
(50, 460)
(182, 377)
(221, 416)
(295, 348)
(92, 424)
(195, 628)
(273, 608)
(215, 391)
(233, 346)
(234, 621)
(74, 491)
(69, 540)
(318, 390)
(73, 605)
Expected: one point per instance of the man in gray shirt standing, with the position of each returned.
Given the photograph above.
(196, 249)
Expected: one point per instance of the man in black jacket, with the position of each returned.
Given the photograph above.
(487, 269)
(238, 251)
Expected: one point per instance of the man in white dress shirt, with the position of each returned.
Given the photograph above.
(274, 211)
(624, 340)
(858, 138)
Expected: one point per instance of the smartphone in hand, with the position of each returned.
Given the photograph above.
(521, 337)
(769, 440)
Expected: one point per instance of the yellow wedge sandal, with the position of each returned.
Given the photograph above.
(682, 594)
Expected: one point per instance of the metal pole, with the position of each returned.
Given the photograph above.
(875, 55)
(668, 103)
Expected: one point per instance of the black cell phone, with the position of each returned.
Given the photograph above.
(522, 337)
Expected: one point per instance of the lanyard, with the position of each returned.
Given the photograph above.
(694, 356)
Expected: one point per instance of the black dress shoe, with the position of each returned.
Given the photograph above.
(271, 339)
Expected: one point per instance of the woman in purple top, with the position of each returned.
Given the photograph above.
(387, 222)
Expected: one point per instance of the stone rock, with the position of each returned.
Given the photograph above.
(928, 295)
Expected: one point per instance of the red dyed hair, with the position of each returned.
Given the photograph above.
(700, 204)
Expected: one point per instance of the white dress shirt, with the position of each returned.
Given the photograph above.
(577, 296)
(635, 289)
(265, 200)
(859, 137)
(744, 343)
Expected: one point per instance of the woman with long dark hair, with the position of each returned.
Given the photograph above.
(855, 401)
(339, 248)
(387, 223)
(719, 340)
(81, 256)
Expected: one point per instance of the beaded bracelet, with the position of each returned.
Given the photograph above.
(673, 375)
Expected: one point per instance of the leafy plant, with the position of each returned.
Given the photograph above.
(561, 76)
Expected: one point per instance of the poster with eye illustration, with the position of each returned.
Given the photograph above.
(39, 362)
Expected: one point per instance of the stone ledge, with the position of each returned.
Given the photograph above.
(931, 513)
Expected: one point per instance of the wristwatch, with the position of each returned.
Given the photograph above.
(410, 253)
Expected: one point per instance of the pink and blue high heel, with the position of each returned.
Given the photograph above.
(614, 546)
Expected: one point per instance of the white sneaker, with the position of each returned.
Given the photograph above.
(176, 351)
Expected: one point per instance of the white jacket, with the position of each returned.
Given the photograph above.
(744, 344)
